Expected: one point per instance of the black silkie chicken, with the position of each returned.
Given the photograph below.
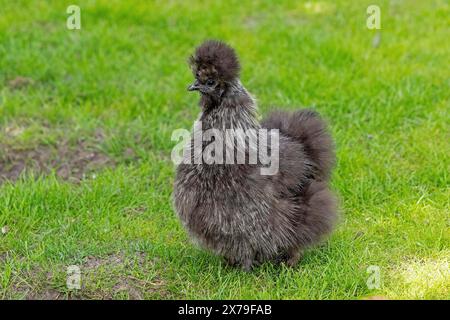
(234, 210)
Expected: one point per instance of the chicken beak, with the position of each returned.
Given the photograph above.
(194, 86)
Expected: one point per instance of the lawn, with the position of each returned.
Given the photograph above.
(86, 118)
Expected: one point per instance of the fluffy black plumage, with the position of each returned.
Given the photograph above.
(217, 59)
(235, 211)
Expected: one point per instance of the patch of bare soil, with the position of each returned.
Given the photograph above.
(19, 83)
(116, 268)
(376, 298)
(31, 285)
(70, 162)
(47, 294)
(113, 272)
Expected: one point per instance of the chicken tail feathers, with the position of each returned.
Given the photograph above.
(320, 212)
(307, 127)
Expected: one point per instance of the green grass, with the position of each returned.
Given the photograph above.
(124, 74)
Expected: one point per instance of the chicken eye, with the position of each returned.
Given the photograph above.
(210, 82)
